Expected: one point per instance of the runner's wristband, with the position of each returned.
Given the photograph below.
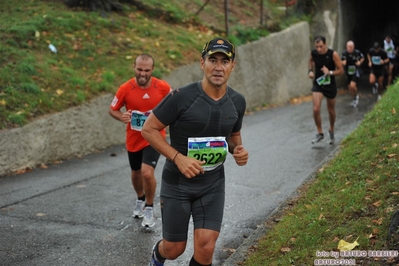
(174, 157)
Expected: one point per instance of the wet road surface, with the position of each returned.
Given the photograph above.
(78, 212)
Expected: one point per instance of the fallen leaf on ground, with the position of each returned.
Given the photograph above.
(379, 221)
(345, 246)
(43, 166)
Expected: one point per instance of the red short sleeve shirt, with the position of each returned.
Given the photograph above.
(132, 97)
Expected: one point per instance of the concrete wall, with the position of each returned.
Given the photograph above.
(269, 71)
(75, 132)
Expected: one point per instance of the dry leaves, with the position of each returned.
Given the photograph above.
(379, 221)
(345, 246)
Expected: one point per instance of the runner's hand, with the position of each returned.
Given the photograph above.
(189, 167)
(325, 70)
(126, 116)
(240, 154)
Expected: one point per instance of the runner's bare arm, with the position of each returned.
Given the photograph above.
(338, 65)
(311, 67)
(118, 115)
(190, 167)
(151, 132)
(369, 59)
(238, 151)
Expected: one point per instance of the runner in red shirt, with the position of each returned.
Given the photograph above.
(139, 96)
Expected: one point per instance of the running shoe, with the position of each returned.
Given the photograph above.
(355, 101)
(375, 88)
(379, 97)
(153, 261)
(331, 137)
(319, 137)
(138, 209)
(149, 217)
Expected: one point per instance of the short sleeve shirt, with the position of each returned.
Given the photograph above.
(376, 58)
(137, 99)
(351, 59)
(191, 113)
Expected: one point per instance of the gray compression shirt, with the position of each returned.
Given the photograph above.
(190, 112)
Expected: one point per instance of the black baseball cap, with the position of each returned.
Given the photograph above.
(219, 45)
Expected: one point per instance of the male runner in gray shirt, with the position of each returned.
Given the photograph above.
(204, 120)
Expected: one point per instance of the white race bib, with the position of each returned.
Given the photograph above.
(212, 150)
(323, 80)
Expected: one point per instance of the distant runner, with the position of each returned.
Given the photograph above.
(324, 65)
(377, 59)
(352, 60)
(139, 96)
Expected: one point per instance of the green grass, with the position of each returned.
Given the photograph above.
(95, 50)
(353, 197)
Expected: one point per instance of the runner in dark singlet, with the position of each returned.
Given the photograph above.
(352, 60)
(377, 59)
(204, 120)
(324, 65)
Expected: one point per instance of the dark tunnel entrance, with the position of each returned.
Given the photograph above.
(368, 21)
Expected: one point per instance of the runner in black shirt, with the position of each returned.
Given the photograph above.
(204, 120)
(324, 65)
(377, 59)
(352, 59)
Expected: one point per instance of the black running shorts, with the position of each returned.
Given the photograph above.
(351, 78)
(148, 155)
(201, 197)
(377, 72)
(328, 91)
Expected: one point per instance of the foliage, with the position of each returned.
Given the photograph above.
(351, 198)
(95, 50)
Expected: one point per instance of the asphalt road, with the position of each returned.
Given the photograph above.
(78, 212)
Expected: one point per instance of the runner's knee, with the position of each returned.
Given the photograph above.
(172, 250)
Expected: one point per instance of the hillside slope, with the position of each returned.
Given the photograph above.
(95, 50)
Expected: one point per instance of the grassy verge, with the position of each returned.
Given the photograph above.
(94, 55)
(95, 50)
(352, 198)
